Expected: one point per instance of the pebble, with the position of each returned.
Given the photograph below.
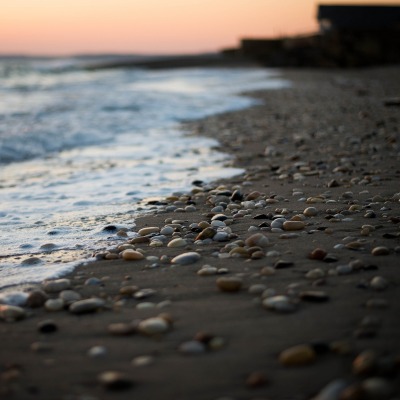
(36, 299)
(10, 313)
(298, 355)
(97, 352)
(221, 237)
(280, 264)
(153, 326)
(379, 283)
(315, 273)
(192, 347)
(310, 212)
(86, 306)
(148, 230)
(178, 242)
(278, 223)
(121, 329)
(317, 254)
(332, 391)
(314, 296)
(186, 258)
(14, 298)
(69, 296)
(293, 225)
(56, 286)
(207, 270)
(229, 284)
(114, 381)
(47, 326)
(380, 251)
(280, 303)
(206, 233)
(128, 290)
(54, 304)
(365, 363)
(257, 239)
(143, 361)
(167, 230)
(132, 255)
(93, 282)
(257, 288)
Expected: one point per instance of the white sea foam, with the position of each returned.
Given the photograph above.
(80, 149)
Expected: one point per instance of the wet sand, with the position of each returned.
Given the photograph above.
(329, 144)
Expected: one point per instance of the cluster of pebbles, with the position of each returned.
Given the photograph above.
(326, 223)
(264, 224)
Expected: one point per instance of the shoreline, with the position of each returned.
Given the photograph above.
(331, 140)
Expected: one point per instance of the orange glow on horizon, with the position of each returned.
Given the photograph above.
(65, 27)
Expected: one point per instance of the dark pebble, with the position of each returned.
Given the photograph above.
(261, 216)
(47, 326)
(283, 264)
(237, 196)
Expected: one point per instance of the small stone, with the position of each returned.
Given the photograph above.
(332, 391)
(97, 352)
(257, 288)
(143, 361)
(148, 230)
(112, 380)
(121, 329)
(47, 326)
(11, 313)
(69, 296)
(256, 379)
(279, 303)
(178, 242)
(207, 233)
(36, 299)
(153, 326)
(144, 293)
(257, 239)
(56, 286)
(333, 183)
(316, 273)
(310, 212)
(167, 231)
(229, 284)
(207, 270)
(18, 299)
(86, 306)
(280, 264)
(128, 290)
(293, 225)
(365, 363)
(314, 296)
(54, 305)
(132, 255)
(380, 251)
(186, 258)
(298, 355)
(317, 254)
(379, 283)
(192, 347)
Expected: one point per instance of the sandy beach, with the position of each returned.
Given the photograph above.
(297, 297)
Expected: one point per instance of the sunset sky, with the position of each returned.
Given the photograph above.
(64, 27)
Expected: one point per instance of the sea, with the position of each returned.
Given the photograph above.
(81, 149)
